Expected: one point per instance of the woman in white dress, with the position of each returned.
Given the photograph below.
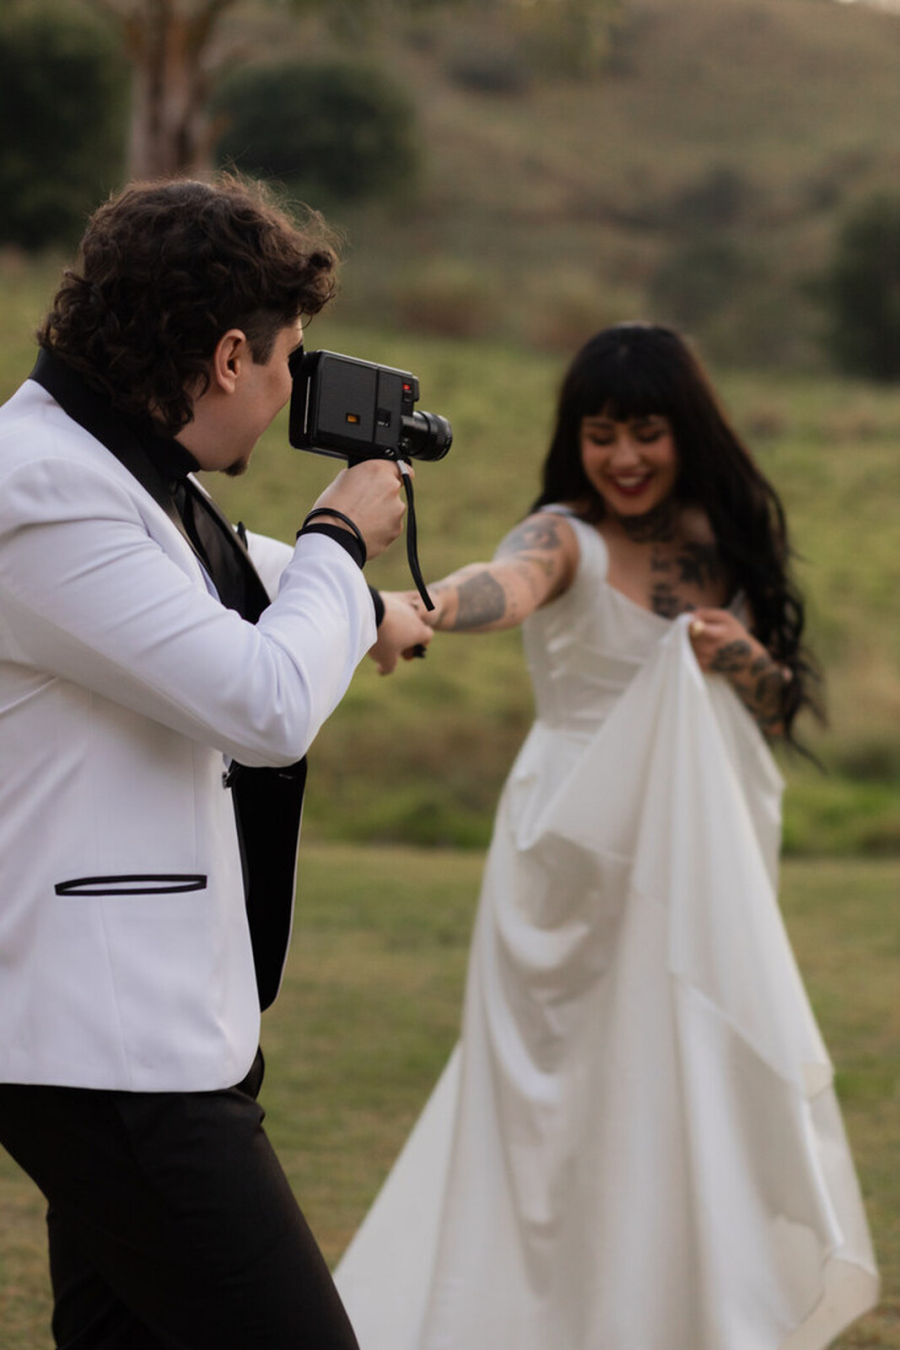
(636, 1144)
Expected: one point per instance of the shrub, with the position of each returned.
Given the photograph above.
(861, 291)
(729, 296)
(447, 297)
(62, 107)
(334, 133)
(488, 64)
(721, 198)
(700, 278)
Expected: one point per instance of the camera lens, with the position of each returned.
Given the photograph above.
(425, 435)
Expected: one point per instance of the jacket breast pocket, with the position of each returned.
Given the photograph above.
(134, 883)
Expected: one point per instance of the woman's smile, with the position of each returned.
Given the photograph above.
(633, 485)
(632, 464)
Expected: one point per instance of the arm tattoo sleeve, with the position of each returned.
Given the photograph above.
(731, 659)
(760, 687)
(541, 535)
(481, 600)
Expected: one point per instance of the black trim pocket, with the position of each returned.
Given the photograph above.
(134, 883)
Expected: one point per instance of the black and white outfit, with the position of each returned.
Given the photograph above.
(129, 1007)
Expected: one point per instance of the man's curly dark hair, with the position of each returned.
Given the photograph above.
(165, 270)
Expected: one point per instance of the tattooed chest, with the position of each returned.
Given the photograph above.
(683, 578)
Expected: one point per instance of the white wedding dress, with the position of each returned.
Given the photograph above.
(636, 1144)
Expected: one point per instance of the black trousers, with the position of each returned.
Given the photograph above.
(171, 1223)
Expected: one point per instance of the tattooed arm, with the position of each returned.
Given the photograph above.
(724, 646)
(534, 564)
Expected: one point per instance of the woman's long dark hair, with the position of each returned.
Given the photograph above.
(641, 370)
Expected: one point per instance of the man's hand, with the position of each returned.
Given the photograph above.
(400, 632)
(370, 494)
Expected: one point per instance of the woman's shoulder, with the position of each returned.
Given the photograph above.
(544, 530)
(568, 523)
(575, 514)
(580, 537)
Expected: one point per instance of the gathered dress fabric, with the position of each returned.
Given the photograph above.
(636, 1144)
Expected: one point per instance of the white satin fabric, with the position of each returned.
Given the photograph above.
(636, 1144)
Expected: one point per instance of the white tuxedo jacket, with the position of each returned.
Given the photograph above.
(125, 958)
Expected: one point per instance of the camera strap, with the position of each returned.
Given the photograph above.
(412, 551)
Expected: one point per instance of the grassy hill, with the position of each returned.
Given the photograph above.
(743, 126)
(700, 178)
(420, 757)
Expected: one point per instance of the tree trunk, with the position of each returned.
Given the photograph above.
(167, 43)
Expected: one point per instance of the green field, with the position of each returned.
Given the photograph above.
(370, 1010)
(419, 758)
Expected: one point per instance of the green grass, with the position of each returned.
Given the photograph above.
(420, 758)
(370, 1010)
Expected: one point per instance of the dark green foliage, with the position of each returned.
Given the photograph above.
(335, 133)
(727, 294)
(720, 199)
(698, 279)
(62, 107)
(492, 66)
(861, 291)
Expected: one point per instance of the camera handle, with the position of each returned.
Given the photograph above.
(411, 533)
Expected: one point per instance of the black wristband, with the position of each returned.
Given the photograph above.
(347, 541)
(339, 515)
(378, 604)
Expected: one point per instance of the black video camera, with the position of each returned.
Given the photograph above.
(355, 410)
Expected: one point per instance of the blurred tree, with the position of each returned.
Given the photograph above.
(62, 101)
(861, 291)
(170, 45)
(167, 43)
(333, 133)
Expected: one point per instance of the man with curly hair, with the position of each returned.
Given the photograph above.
(153, 661)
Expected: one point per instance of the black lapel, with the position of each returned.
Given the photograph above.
(91, 411)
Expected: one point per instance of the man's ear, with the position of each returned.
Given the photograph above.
(230, 354)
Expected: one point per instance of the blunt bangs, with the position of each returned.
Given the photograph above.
(624, 375)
